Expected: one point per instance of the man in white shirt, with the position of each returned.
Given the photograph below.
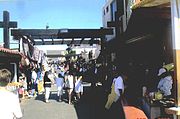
(116, 109)
(9, 102)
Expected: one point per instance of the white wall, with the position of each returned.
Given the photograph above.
(107, 16)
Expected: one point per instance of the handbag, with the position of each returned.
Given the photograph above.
(111, 97)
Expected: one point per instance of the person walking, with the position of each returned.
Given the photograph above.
(34, 82)
(59, 84)
(79, 87)
(113, 104)
(69, 79)
(47, 85)
(10, 106)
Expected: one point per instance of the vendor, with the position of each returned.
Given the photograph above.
(165, 83)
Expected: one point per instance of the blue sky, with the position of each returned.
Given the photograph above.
(56, 13)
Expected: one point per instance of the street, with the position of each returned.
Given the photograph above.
(36, 108)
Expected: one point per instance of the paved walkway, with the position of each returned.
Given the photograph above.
(88, 108)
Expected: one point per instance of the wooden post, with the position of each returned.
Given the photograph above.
(175, 13)
(175, 18)
(6, 24)
(6, 28)
(119, 13)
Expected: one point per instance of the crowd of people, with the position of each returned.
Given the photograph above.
(66, 76)
(69, 77)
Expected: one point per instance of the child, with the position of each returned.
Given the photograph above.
(21, 92)
(23, 88)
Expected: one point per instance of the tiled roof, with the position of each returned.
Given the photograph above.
(9, 51)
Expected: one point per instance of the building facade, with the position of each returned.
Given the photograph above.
(117, 11)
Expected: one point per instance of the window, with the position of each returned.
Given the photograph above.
(113, 10)
(107, 9)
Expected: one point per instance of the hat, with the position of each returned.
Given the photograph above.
(161, 71)
(22, 76)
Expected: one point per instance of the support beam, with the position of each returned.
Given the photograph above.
(6, 24)
(59, 34)
(72, 41)
(176, 43)
(175, 15)
(91, 41)
(13, 24)
(113, 23)
(139, 38)
(6, 29)
(77, 42)
(62, 34)
(52, 41)
(81, 40)
(43, 43)
(62, 41)
(120, 7)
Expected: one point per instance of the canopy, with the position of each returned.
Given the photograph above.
(150, 3)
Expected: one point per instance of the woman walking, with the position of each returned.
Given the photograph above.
(69, 84)
(60, 84)
(47, 85)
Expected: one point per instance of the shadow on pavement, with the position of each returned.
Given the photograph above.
(91, 105)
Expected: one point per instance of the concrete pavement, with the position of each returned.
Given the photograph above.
(88, 108)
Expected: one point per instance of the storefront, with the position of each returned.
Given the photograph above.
(10, 59)
(144, 48)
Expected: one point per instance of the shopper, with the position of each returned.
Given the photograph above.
(9, 102)
(114, 105)
(60, 84)
(47, 85)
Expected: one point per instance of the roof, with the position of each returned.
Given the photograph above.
(9, 51)
(141, 27)
(6, 53)
(146, 22)
(61, 36)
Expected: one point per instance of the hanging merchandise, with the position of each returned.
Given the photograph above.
(24, 61)
(169, 67)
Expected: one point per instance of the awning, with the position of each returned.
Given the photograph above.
(151, 3)
(9, 51)
(8, 55)
(145, 22)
